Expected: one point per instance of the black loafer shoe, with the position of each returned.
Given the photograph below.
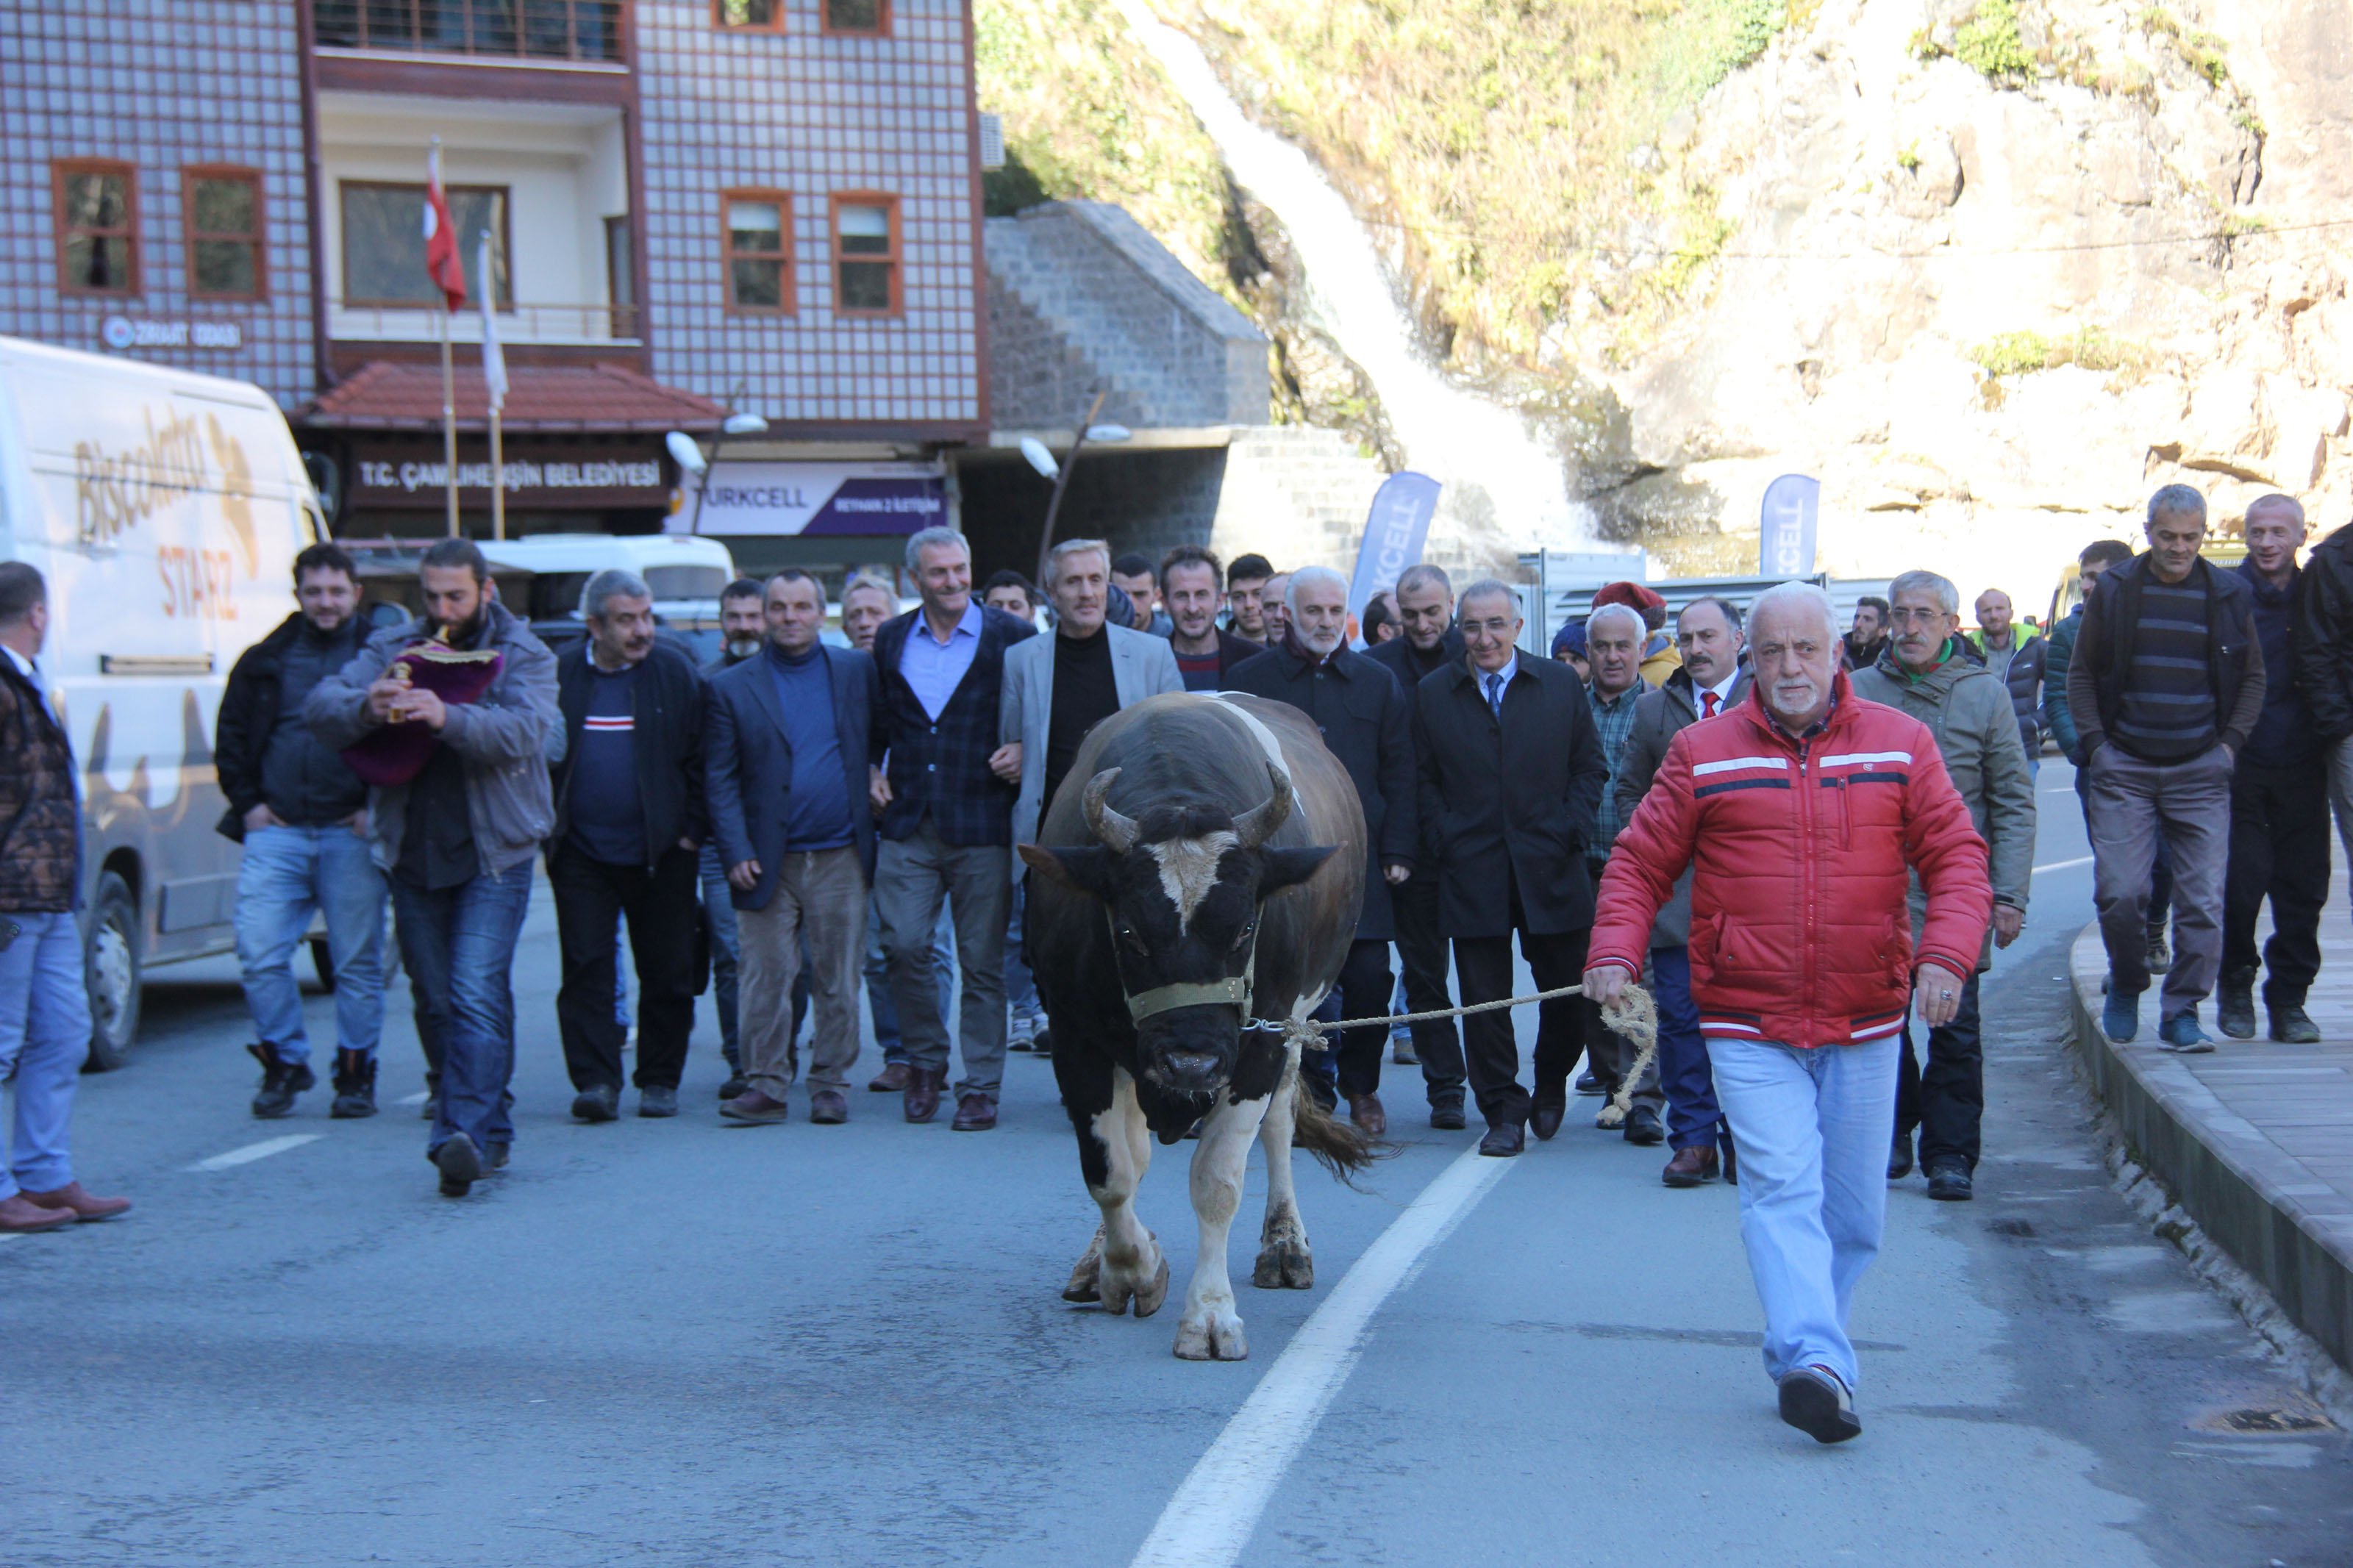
(461, 1165)
(1951, 1185)
(1588, 1084)
(600, 1103)
(1504, 1140)
(1447, 1119)
(1816, 1402)
(1642, 1128)
(658, 1099)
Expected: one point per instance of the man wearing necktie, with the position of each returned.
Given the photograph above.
(1510, 771)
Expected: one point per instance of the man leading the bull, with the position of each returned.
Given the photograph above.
(1362, 716)
(1802, 813)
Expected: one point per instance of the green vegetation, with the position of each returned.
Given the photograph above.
(1908, 159)
(1988, 43)
(2201, 52)
(2020, 353)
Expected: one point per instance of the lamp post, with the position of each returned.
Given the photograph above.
(1043, 461)
(689, 455)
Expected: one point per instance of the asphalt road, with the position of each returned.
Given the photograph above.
(677, 1343)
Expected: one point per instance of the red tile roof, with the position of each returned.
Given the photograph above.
(544, 399)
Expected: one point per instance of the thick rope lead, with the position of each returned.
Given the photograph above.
(1634, 1015)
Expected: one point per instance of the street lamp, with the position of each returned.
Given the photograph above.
(687, 453)
(1043, 461)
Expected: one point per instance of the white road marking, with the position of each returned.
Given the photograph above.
(419, 1098)
(1215, 1512)
(261, 1150)
(2063, 864)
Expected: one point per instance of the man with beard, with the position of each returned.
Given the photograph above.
(1362, 716)
(630, 824)
(744, 625)
(1206, 654)
(458, 839)
(1427, 642)
(1868, 641)
(1246, 582)
(1709, 683)
(300, 813)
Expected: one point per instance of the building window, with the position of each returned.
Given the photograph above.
(383, 243)
(98, 224)
(866, 255)
(748, 15)
(758, 248)
(221, 210)
(856, 18)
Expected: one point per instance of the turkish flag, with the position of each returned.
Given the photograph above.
(441, 259)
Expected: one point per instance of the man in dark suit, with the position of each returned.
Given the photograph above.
(1510, 770)
(785, 741)
(629, 819)
(1361, 714)
(1427, 643)
(946, 824)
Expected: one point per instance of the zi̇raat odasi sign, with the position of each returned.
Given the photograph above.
(775, 499)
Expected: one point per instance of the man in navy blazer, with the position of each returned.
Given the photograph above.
(785, 741)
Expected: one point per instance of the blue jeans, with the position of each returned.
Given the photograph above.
(1695, 1121)
(287, 875)
(459, 944)
(726, 949)
(1020, 985)
(44, 1036)
(1813, 1129)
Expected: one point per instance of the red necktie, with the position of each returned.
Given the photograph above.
(1708, 700)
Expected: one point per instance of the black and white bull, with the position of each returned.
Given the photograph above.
(1201, 865)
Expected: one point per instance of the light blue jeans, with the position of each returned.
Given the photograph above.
(459, 944)
(289, 874)
(1812, 1129)
(44, 1036)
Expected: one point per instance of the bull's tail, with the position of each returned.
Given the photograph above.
(1339, 1147)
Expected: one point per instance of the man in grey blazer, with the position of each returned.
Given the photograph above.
(1058, 688)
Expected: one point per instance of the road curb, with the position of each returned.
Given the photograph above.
(2284, 1223)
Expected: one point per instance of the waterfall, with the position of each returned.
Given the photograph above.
(1479, 451)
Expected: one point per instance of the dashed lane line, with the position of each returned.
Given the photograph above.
(261, 1150)
(1215, 1512)
(2063, 864)
(419, 1098)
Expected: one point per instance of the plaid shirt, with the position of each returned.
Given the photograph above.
(1614, 719)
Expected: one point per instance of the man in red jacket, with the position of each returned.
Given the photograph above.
(1801, 812)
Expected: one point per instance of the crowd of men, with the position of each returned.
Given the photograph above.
(812, 816)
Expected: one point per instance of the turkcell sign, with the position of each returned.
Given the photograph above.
(1785, 534)
(773, 498)
(1395, 531)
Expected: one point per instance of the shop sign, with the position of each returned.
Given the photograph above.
(119, 332)
(594, 476)
(775, 499)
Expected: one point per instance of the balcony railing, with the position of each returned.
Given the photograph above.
(582, 30)
(518, 323)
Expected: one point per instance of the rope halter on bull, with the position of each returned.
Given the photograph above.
(1634, 1015)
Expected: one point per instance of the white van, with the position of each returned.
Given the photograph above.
(165, 508)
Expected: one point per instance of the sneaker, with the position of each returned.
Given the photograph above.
(282, 1080)
(1951, 1185)
(1402, 1053)
(2291, 1025)
(461, 1165)
(1815, 1400)
(2160, 956)
(2234, 1005)
(2120, 1018)
(1020, 1029)
(2181, 1035)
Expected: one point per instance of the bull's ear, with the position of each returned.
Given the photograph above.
(1086, 870)
(1280, 869)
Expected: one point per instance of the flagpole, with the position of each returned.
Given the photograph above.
(494, 383)
(498, 481)
(449, 422)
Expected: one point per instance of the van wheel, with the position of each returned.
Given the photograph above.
(323, 958)
(111, 967)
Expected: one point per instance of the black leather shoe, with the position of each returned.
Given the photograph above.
(461, 1165)
(599, 1102)
(1545, 1110)
(1644, 1129)
(1504, 1140)
(1951, 1185)
(282, 1080)
(1588, 1084)
(658, 1099)
(736, 1086)
(1447, 1117)
(2291, 1025)
(2234, 1005)
(1899, 1157)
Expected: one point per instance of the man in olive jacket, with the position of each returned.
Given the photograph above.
(1928, 673)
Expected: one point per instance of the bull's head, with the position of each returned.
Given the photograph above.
(1181, 888)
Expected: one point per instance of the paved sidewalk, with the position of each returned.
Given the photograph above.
(2256, 1139)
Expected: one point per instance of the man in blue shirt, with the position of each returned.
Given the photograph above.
(785, 766)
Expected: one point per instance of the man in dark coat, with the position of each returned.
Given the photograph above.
(1190, 580)
(1428, 643)
(1510, 771)
(1361, 715)
(630, 823)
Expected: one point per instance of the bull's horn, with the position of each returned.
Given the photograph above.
(1258, 825)
(1105, 821)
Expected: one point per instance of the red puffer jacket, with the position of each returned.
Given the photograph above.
(1799, 932)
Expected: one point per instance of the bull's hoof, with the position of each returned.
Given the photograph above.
(1215, 1336)
(1087, 1273)
(1285, 1265)
(1121, 1287)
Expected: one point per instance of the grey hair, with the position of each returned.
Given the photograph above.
(604, 586)
(1800, 596)
(1308, 577)
(1069, 547)
(1948, 598)
(1731, 612)
(2275, 502)
(1486, 586)
(2177, 501)
(871, 583)
(1423, 575)
(1612, 612)
(931, 538)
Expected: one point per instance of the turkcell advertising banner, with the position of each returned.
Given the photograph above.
(1785, 533)
(1395, 531)
(770, 499)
